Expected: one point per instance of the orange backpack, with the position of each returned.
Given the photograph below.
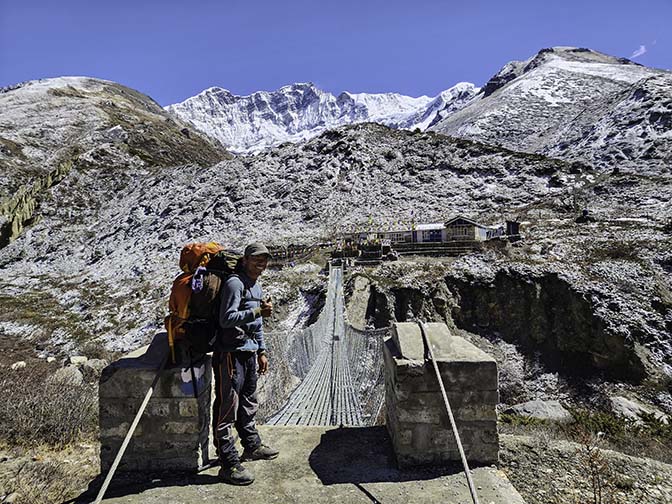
(194, 297)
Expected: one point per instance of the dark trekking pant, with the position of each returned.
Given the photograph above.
(235, 403)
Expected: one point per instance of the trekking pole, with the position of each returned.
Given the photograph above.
(130, 432)
(450, 416)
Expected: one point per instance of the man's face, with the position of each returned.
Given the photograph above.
(255, 265)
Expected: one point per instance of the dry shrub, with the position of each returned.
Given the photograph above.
(43, 483)
(650, 436)
(35, 410)
(597, 469)
(600, 479)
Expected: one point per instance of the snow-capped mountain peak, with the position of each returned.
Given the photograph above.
(576, 104)
(252, 123)
(384, 106)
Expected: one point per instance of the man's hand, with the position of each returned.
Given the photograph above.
(263, 364)
(266, 308)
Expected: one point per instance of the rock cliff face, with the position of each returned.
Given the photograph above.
(18, 210)
(595, 294)
(547, 314)
(575, 104)
(560, 331)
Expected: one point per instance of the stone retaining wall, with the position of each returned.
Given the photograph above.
(416, 415)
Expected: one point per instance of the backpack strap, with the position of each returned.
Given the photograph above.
(171, 338)
(193, 373)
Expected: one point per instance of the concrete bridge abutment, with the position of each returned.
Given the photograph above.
(173, 432)
(417, 420)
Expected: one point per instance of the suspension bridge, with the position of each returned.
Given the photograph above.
(344, 383)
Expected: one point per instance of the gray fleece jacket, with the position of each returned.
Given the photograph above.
(241, 307)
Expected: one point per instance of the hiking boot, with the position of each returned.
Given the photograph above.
(261, 452)
(236, 475)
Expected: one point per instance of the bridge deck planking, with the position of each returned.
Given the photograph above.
(305, 396)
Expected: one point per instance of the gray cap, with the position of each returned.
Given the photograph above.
(257, 248)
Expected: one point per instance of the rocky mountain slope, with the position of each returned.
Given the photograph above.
(47, 126)
(99, 261)
(109, 187)
(575, 104)
(248, 124)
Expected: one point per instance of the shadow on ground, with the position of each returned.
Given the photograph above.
(133, 484)
(365, 455)
(316, 464)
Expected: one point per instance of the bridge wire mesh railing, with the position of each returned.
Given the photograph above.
(356, 383)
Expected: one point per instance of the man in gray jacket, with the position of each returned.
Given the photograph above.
(240, 348)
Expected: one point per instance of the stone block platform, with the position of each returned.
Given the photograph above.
(326, 465)
(173, 432)
(416, 415)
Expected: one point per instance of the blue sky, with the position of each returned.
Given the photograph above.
(174, 49)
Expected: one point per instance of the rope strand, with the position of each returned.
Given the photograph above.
(465, 464)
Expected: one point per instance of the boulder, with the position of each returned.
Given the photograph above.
(78, 360)
(117, 134)
(632, 409)
(11, 498)
(542, 410)
(18, 365)
(92, 369)
(69, 375)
